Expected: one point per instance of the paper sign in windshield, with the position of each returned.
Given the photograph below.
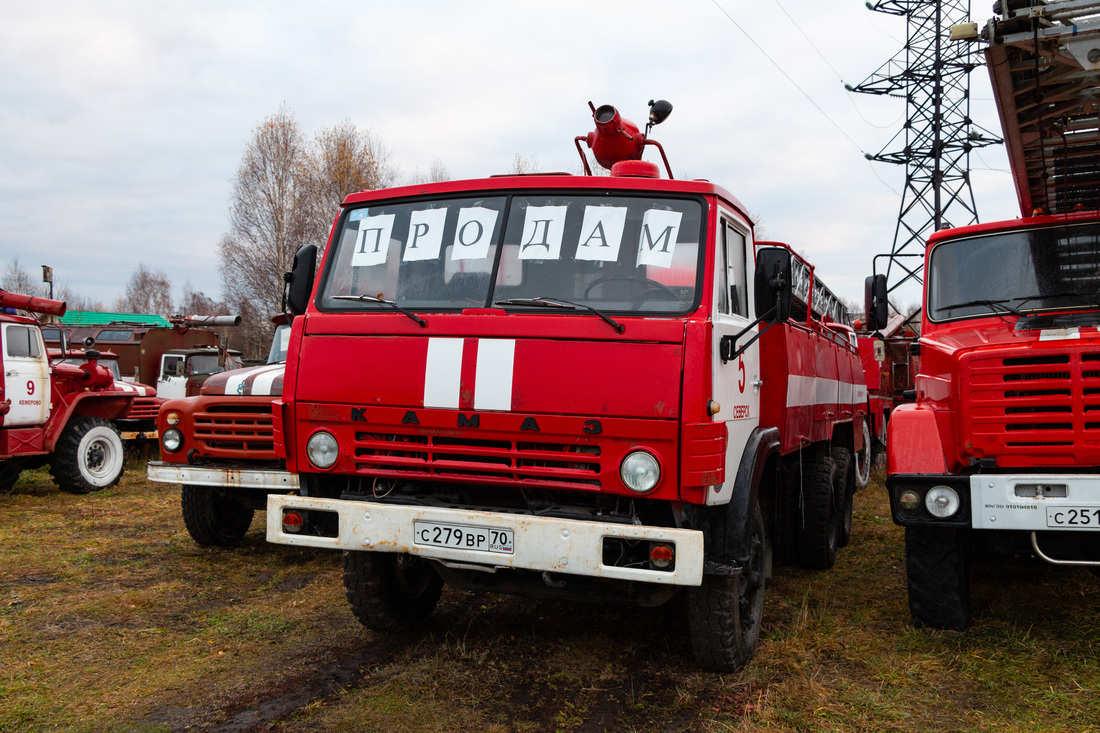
(542, 233)
(474, 232)
(657, 243)
(372, 243)
(425, 235)
(601, 233)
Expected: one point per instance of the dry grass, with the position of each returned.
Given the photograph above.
(111, 619)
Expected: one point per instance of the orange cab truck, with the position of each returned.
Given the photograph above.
(219, 446)
(60, 414)
(570, 386)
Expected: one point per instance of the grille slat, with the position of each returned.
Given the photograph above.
(544, 464)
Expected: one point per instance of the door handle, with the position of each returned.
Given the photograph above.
(11, 373)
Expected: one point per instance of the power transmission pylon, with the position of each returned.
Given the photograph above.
(932, 74)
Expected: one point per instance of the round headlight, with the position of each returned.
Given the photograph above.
(640, 471)
(172, 418)
(171, 440)
(322, 449)
(941, 501)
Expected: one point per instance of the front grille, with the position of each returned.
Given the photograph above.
(1031, 409)
(231, 429)
(144, 408)
(548, 464)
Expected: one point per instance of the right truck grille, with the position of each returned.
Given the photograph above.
(1032, 409)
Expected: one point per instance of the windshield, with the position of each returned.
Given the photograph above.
(110, 365)
(1015, 272)
(204, 364)
(279, 344)
(612, 253)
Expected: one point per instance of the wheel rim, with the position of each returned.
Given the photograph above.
(99, 459)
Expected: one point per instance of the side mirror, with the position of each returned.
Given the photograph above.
(299, 281)
(874, 302)
(773, 284)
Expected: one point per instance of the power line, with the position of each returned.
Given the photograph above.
(789, 78)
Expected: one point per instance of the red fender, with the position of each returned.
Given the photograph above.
(913, 441)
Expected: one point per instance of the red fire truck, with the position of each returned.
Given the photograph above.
(999, 453)
(220, 447)
(61, 414)
(559, 385)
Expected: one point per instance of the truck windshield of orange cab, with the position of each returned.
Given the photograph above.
(621, 254)
(1015, 273)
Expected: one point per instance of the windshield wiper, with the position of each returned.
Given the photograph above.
(559, 303)
(383, 301)
(994, 304)
(1064, 294)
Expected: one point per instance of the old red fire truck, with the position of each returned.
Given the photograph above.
(578, 386)
(220, 447)
(59, 414)
(999, 453)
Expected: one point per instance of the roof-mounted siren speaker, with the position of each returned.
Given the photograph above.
(617, 144)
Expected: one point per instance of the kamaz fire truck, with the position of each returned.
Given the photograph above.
(1001, 451)
(575, 386)
(61, 414)
(220, 447)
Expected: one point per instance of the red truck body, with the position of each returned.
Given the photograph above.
(581, 408)
(59, 414)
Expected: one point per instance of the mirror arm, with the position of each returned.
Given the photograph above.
(728, 344)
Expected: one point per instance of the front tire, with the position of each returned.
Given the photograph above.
(9, 474)
(213, 517)
(845, 489)
(724, 613)
(937, 568)
(390, 591)
(88, 456)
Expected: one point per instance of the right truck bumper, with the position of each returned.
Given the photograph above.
(1035, 502)
(550, 544)
(240, 478)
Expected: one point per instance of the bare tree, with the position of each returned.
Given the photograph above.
(341, 160)
(522, 165)
(437, 173)
(148, 291)
(18, 280)
(269, 218)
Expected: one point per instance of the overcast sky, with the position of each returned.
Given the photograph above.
(122, 123)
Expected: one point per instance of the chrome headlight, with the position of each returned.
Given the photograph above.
(322, 449)
(171, 440)
(941, 501)
(640, 471)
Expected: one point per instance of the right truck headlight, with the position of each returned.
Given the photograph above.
(640, 471)
(941, 501)
(171, 440)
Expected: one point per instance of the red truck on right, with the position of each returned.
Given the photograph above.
(1000, 451)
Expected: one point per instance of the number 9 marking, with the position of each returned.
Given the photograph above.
(30, 387)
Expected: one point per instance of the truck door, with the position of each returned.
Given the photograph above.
(26, 376)
(736, 383)
(172, 383)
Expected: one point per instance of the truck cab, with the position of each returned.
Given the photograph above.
(183, 371)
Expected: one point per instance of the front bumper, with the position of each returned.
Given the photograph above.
(550, 544)
(1029, 502)
(242, 478)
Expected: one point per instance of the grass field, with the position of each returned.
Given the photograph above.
(112, 619)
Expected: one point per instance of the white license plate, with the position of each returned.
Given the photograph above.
(463, 537)
(1073, 517)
